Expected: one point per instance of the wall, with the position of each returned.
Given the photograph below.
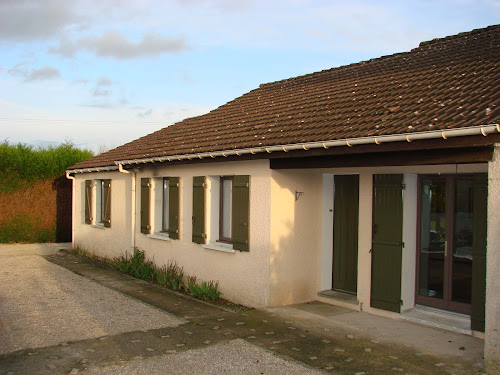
(295, 236)
(492, 331)
(106, 242)
(243, 276)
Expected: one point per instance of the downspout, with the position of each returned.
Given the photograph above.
(121, 170)
(73, 189)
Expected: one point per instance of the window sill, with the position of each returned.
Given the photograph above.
(226, 248)
(159, 236)
(98, 226)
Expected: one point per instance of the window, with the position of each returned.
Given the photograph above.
(228, 212)
(225, 210)
(98, 191)
(105, 202)
(165, 205)
(164, 213)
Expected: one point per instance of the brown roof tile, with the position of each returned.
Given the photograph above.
(444, 83)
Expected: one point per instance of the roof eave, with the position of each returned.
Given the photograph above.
(349, 142)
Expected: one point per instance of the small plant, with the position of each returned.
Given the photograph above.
(205, 290)
(161, 275)
(192, 287)
(175, 275)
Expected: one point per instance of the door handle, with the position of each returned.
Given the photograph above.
(445, 248)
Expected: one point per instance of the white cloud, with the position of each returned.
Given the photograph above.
(102, 87)
(33, 20)
(24, 70)
(47, 72)
(114, 44)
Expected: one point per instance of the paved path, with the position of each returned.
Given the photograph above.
(191, 337)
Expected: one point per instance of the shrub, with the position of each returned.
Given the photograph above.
(21, 164)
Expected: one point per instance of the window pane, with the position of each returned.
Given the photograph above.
(165, 204)
(462, 238)
(103, 215)
(227, 196)
(432, 237)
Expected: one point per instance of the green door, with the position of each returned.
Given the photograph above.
(345, 233)
(387, 242)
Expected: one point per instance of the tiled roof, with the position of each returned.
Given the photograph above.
(443, 84)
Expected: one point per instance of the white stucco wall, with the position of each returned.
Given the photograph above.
(243, 276)
(106, 242)
(492, 331)
(290, 240)
(295, 236)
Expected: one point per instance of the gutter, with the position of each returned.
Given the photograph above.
(133, 207)
(93, 169)
(408, 137)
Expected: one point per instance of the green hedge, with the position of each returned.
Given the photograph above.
(21, 163)
(25, 228)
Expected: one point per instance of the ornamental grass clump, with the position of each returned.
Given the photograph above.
(205, 290)
(175, 276)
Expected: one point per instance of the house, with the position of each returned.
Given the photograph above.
(374, 186)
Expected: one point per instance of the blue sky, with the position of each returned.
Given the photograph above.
(102, 73)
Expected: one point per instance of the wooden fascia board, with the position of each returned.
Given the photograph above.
(394, 158)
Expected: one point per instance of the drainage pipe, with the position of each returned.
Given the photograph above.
(133, 202)
(73, 195)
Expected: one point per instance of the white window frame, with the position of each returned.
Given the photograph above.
(156, 208)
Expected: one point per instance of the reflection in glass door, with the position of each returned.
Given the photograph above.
(445, 242)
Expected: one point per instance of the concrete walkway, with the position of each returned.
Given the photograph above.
(180, 335)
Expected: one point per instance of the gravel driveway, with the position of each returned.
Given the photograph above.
(236, 357)
(42, 304)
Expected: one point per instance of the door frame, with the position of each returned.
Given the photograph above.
(446, 303)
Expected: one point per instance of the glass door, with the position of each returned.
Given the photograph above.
(444, 267)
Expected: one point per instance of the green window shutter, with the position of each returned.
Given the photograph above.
(173, 211)
(145, 201)
(479, 233)
(387, 245)
(106, 219)
(199, 234)
(241, 212)
(88, 201)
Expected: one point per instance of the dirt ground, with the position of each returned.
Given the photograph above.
(100, 333)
